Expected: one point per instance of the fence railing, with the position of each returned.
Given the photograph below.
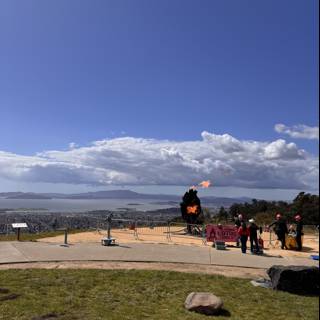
(122, 226)
(187, 231)
(152, 230)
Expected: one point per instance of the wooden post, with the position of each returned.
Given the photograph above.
(109, 229)
(66, 236)
(18, 234)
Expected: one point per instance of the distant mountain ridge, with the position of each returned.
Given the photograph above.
(118, 194)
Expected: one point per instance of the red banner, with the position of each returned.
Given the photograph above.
(221, 233)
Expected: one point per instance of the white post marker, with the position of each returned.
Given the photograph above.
(18, 226)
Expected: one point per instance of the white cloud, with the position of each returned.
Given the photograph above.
(300, 131)
(279, 149)
(222, 159)
(72, 145)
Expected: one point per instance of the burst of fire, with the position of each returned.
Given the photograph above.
(205, 184)
(192, 209)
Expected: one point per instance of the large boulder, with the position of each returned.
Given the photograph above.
(203, 302)
(295, 279)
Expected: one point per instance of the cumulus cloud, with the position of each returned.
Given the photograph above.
(222, 159)
(279, 149)
(300, 131)
(72, 145)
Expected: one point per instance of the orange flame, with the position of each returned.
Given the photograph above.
(192, 209)
(205, 184)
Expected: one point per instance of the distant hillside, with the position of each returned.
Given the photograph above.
(121, 194)
(22, 195)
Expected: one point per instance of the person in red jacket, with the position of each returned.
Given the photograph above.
(244, 233)
(237, 223)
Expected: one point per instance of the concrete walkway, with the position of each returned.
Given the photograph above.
(13, 252)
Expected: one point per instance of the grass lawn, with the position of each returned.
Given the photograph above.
(119, 294)
(25, 236)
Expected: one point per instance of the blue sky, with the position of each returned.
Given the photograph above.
(83, 71)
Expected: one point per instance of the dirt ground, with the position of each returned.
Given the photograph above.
(236, 272)
(178, 235)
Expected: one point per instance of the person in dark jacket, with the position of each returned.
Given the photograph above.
(299, 233)
(280, 229)
(244, 233)
(253, 229)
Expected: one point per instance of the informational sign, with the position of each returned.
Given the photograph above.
(221, 233)
(19, 225)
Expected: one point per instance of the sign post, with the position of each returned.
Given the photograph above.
(18, 226)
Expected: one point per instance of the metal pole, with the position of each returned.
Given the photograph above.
(136, 229)
(109, 219)
(18, 234)
(203, 234)
(109, 229)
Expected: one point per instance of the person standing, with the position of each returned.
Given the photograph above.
(237, 224)
(299, 233)
(253, 230)
(244, 233)
(280, 229)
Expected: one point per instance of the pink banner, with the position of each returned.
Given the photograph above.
(221, 233)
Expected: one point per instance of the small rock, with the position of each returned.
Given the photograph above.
(203, 302)
(264, 283)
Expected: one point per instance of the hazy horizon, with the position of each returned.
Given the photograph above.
(228, 192)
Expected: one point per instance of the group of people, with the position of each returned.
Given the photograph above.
(246, 232)
(281, 230)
